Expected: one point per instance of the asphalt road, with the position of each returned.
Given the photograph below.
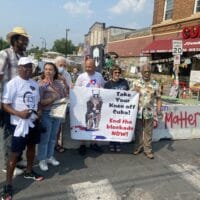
(174, 174)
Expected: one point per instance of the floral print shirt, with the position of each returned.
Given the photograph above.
(149, 91)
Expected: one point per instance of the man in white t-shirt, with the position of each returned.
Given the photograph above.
(18, 39)
(20, 100)
(90, 78)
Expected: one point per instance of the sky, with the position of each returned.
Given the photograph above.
(48, 19)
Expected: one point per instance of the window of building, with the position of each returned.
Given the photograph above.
(197, 6)
(169, 5)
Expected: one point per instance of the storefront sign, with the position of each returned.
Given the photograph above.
(177, 47)
(191, 32)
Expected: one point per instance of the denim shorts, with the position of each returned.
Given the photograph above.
(18, 144)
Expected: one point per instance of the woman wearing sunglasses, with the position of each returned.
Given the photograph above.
(118, 83)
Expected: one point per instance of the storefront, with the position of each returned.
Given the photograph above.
(164, 62)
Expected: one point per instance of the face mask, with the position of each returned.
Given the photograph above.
(61, 70)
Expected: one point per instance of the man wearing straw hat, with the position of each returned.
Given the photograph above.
(18, 39)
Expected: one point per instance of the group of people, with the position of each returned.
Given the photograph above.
(27, 104)
(25, 110)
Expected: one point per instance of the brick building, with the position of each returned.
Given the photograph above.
(175, 20)
(97, 38)
(129, 46)
(172, 19)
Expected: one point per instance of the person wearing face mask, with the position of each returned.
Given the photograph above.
(65, 78)
(18, 39)
(61, 64)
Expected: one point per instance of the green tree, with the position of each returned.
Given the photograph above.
(3, 44)
(36, 51)
(61, 46)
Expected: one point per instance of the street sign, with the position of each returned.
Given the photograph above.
(177, 47)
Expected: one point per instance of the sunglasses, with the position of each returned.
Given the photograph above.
(147, 72)
(117, 72)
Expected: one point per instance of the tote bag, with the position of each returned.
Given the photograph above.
(59, 108)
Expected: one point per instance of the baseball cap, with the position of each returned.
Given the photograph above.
(24, 61)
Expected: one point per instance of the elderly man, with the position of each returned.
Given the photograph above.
(18, 39)
(65, 78)
(61, 64)
(149, 91)
(90, 78)
(21, 103)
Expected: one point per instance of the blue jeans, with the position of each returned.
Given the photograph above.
(48, 138)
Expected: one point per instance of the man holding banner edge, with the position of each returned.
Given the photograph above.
(90, 78)
(149, 90)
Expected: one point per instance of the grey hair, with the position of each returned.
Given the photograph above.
(145, 65)
(60, 58)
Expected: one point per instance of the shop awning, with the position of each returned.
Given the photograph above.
(158, 46)
(164, 46)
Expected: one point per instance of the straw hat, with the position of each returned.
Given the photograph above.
(17, 31)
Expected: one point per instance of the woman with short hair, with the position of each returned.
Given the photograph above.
(118, 83)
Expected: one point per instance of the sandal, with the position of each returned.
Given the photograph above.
(118, 148)
(112, 148)
(59, 149)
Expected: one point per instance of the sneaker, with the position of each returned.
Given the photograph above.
(16, 172)
(137, 151)
(34, 176)
(43, 165)
(149, 155)
(53, 161)
(82, 150)
(96, 147)
(7, 193)
(22, 163)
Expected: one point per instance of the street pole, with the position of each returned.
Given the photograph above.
(1, 43)
(43, 42)
(67, 30)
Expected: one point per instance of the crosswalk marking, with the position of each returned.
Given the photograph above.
(104, 190)
(95, 190)
(188, 172)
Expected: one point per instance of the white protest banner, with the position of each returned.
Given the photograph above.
(102, 114)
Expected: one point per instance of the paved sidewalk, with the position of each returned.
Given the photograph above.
(173, 174)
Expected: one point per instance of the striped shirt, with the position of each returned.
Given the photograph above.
(8, 65)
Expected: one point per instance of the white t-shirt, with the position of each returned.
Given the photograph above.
(21, 94)
(95, 80)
